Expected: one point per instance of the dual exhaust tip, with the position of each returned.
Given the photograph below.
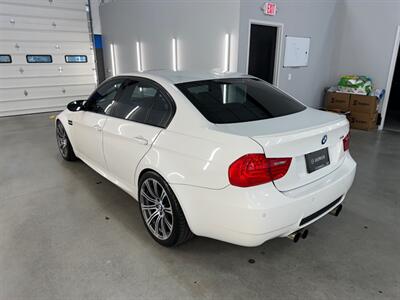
(295, 236)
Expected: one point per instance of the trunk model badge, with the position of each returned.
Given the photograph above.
(324, 139)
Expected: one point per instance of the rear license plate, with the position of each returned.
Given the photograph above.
(317, 160)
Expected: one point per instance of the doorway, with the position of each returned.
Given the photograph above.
(392, 119)
(264, 50)
(391, 102)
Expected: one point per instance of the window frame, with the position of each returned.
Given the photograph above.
(8, 62)
(163, 91)
(39, 62)
(76, 62)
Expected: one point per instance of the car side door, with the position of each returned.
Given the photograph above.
(143, 109)
(88, 124)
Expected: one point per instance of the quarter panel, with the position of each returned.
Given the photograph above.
(197, 161)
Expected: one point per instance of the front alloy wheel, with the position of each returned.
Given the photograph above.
(64, 145)
(161, 211)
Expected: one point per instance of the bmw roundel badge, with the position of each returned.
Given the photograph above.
(324, 139)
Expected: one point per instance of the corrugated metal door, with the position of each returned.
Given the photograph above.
(44, 27)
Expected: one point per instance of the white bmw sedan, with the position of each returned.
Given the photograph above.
(229, 157)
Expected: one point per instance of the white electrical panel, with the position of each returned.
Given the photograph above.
(297, 50)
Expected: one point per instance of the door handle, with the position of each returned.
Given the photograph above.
(141, 140)
(97, 127)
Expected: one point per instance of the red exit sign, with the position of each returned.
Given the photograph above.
(269, 8)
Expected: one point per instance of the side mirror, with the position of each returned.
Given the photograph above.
(77, 105)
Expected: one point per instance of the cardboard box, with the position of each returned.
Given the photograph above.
(363, 104)
(363, 121)
(340, 101)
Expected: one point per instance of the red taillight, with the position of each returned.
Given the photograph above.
(346, 142)
(255, 169)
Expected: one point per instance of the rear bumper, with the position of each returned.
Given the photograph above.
(251, 216)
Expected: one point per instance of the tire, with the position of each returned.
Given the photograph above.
(161, 213)
(63, 143)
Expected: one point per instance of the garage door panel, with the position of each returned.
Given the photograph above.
(26, 82)
(48, 70)
(58, 59)
(36, 35)
(44, 47)
(49, 12)
(55, 28)
(20, 23)
(21, 93)
(37, 105)
(13, 112)
(69, 4)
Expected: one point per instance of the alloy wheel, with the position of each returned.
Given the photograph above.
(62, 140)
(156, 209)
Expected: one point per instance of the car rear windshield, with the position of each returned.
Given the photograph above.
(239, 100)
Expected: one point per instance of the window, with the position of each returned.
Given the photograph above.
(76, 59)
(5, 59)
(144, 103)
(102, 100)
(239, 100)
(39, 59)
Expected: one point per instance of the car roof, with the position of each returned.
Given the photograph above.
(175, 77)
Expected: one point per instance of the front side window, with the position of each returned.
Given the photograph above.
(238, 100)
(102, 100)
(144, 103)
(39, 59)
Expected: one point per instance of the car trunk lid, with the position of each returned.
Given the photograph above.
(297, 136)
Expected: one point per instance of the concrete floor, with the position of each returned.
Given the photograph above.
(67, 233)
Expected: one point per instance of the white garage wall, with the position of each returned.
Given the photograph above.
(302, 18)
(56, 27)
(199, 27)
(347, 36)
(94, 5)
(368, 35)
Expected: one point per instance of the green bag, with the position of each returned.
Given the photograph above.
(355, 84)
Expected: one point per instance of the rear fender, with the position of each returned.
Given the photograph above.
(189, 160)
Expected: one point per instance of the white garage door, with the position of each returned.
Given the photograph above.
(46, 56)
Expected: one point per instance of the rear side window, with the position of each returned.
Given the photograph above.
(239, 100)
(144, 103)
(39, 59)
